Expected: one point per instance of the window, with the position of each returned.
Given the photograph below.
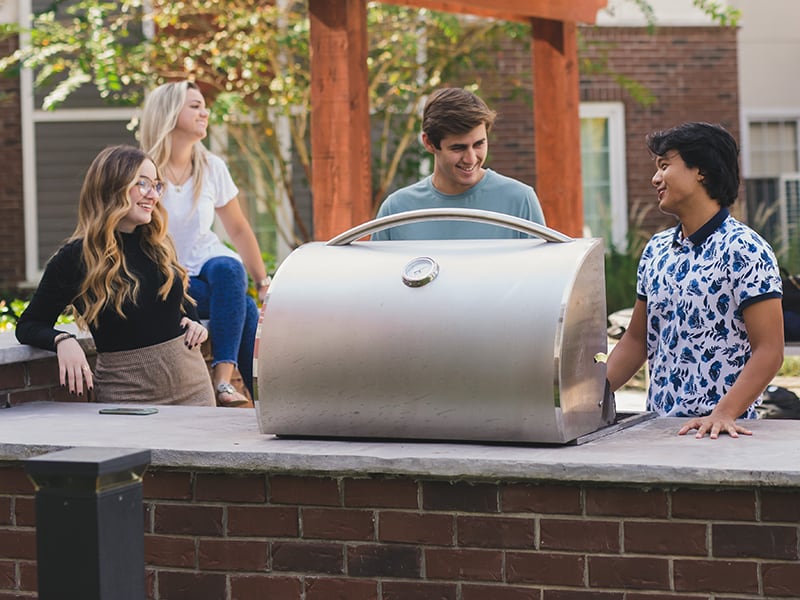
(603, 167)
(773, 148)
(771, 161)
(58, 147)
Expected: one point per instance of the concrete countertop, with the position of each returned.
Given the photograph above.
(224, 439)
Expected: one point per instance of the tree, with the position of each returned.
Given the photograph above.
(251, 58)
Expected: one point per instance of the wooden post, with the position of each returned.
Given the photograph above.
(556, 116)
(340, 142)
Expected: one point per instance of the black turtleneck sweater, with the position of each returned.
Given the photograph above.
(150, 321)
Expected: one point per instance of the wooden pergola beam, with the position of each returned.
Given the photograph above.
(579, 11)
(341, 184)
(340, 128)
(556, 117)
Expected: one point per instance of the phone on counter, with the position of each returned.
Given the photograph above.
(129, 410)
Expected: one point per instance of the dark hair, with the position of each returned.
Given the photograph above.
(707, 147)
(456, 111)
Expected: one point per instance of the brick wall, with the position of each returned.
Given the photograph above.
(691, 71)
(32, 381)
(693, 74)
(219, 536)
(12, 258)
(507, 90)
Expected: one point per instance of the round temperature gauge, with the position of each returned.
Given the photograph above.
(419, 271)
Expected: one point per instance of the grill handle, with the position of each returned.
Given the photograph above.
(449, 214)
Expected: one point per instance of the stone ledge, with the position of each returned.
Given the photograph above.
(11, 351)
(228, 440)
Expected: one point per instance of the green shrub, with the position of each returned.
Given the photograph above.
(11, 309)
(620, 280)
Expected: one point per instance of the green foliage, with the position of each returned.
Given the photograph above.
(725, 15)
(719, 11)
(621, 265)
(83, 48)
(12, 308)
(251, 58)
(790, 367)
(620, 280)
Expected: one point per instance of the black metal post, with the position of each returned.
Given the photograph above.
(90, 523)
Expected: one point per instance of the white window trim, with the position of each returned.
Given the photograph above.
(784, 208)
(30, 116)
(71, 115)
(615, 113)
(757, 115)
(30, 214)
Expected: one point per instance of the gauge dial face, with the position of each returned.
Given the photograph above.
(419, 271)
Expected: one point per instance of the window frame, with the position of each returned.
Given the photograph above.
(30, 117)
(756, 116)
(614, 113)
(749, 117)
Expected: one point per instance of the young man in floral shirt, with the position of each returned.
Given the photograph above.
(708, 313)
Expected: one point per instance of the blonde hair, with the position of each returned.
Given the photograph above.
(104, 201)
(160, 113)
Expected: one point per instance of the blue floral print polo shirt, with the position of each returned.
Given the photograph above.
(695, 289)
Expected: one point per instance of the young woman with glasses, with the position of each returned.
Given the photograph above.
(120, 274)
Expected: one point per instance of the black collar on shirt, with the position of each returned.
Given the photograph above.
(700, 236)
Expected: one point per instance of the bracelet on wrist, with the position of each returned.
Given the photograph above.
(63, 336)
(264, 283)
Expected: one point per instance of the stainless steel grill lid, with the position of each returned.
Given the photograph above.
(485, 340)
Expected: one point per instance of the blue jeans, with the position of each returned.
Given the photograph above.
(221, 294)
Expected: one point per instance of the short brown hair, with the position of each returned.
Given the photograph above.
(454, 111)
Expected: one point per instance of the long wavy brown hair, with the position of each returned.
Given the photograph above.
(104, 201)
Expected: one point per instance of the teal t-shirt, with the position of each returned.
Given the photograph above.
(494, 192)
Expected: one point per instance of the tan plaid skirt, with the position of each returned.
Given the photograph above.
(167, 373)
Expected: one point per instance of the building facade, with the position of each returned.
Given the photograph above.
(688, 67)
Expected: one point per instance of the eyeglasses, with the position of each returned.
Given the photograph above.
(146, 185)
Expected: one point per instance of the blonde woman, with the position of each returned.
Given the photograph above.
(199, 188)
(120, 273)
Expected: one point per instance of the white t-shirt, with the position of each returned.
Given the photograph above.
(190, 227)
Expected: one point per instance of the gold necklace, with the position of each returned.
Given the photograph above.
(182, 178)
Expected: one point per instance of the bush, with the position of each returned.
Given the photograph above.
(620, 280)
(11, 308)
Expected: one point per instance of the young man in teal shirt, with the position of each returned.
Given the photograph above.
(455, 129)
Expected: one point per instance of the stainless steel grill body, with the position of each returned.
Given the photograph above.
(498, 346)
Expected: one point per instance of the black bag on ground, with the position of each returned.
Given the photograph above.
(791, 292)
(779, 403)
